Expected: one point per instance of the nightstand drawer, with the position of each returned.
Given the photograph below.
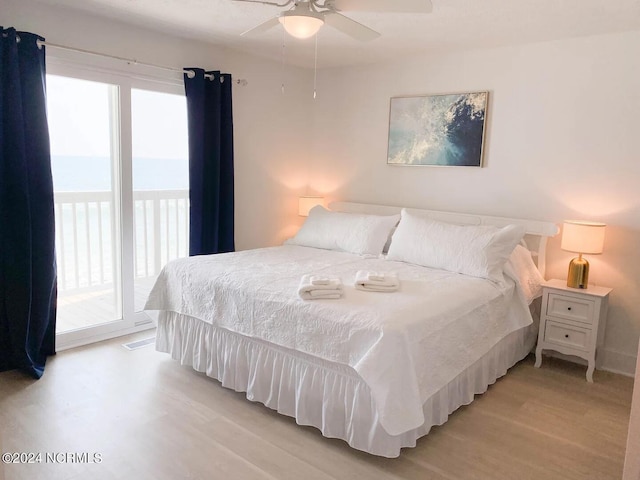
(567, 335)
(578, 309)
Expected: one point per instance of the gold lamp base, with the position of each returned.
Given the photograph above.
(578, 276)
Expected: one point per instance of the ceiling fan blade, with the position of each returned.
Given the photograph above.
(400, 6)
(275, 4)
(263, 27)
(350, 27)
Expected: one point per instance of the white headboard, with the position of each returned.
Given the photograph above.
(535, 238)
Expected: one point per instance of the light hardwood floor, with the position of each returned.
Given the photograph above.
(150, 418)
(92, 306)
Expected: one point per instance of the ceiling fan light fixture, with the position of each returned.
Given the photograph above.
(301, 24)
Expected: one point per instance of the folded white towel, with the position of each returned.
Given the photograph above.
(389, 282)
(332, 289)
(316, 280)
(376, 276)
(315, 294)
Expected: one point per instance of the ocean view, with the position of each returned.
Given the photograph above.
(85, 239)
(93, 174)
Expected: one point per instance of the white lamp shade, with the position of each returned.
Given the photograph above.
(305, 204)
(301, 26)
(583, 237)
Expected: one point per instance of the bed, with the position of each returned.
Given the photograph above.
(377, 370)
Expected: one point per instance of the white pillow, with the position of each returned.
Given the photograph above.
(520, 267)
(478, 251)
(348, 232)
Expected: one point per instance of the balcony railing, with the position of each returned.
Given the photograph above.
(86, 242)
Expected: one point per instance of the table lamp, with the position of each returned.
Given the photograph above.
(581, 237)
(306, 203)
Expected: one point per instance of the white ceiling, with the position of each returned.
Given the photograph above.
(453, 25)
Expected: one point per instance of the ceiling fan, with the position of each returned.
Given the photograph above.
(305, 18)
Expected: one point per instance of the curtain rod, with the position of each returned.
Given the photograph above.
(190, 73)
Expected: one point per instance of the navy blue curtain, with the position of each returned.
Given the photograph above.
(210, 119)
(27, 239)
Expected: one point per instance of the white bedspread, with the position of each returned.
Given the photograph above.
(405, 345)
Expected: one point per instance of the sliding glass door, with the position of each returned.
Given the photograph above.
(120, 170)
(84, 163)
(160, 185)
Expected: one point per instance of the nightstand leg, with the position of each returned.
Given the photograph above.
(590, 369)
(538, 357)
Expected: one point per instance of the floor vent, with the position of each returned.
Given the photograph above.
(139, 343)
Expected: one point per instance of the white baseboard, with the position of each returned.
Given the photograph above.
(105, 336)
(617, 362)
(608, 360)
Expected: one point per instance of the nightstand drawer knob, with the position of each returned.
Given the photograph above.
(566, 335)
(569, 308)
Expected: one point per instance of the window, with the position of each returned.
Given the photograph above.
(82, 163)
(120, 167)
(160, 185)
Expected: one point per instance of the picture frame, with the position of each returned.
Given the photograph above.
(438, 130)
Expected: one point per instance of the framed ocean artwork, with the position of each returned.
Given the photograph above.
(443, 130)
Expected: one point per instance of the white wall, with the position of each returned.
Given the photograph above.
(561, 125)
(269, 128)
(561, 143)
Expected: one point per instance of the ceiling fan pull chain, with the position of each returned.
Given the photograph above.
(315, 69)
(284, 37)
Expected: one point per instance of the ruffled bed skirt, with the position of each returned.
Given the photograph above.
(322, 394)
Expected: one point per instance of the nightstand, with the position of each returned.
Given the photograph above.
(572, 321)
